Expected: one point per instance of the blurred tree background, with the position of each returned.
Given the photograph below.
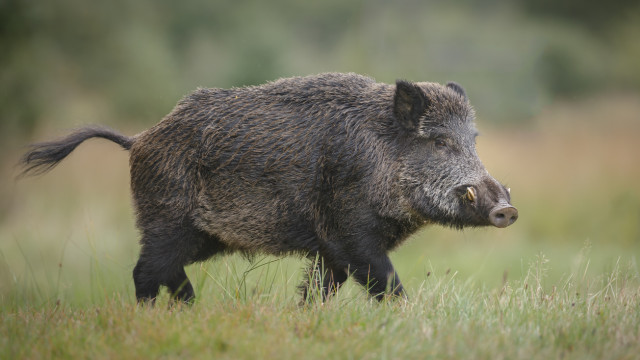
(126, 63)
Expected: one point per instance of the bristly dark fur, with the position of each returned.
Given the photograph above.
(44, 156)
(335, 167)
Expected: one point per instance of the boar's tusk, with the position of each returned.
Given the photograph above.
(471, 194)
(509, 191)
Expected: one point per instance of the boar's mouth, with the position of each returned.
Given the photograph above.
(485, 205)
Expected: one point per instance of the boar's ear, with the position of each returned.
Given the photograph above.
(409, 104)
(458, 89)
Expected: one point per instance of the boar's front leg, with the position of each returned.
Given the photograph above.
(375, 272)
(365, 259)
(321, 279)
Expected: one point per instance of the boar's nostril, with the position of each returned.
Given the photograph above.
(503, 216)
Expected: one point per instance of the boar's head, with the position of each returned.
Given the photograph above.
(442, 177)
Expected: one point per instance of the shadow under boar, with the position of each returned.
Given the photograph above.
(333, 166)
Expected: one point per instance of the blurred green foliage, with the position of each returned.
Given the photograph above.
(594, 15)
(71, 62)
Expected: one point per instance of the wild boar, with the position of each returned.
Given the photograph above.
(336, 166)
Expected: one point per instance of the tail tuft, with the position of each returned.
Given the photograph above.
(44, 156)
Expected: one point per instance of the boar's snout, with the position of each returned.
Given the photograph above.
(496, 200)
(486, 203)
(503, 215)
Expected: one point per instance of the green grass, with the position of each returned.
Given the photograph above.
(249, 310)
(561, 283)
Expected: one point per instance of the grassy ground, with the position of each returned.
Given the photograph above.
(447, 317)
(563, 282)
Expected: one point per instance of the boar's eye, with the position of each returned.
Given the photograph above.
(440, 143)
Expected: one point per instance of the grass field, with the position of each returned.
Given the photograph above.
(563, 282)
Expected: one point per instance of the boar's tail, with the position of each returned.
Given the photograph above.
(44, 156)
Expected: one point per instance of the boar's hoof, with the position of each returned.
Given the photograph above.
(503, 216)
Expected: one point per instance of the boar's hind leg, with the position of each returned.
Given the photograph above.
(163, 256)
(155, 269)
(180, 287)
(146, 281)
